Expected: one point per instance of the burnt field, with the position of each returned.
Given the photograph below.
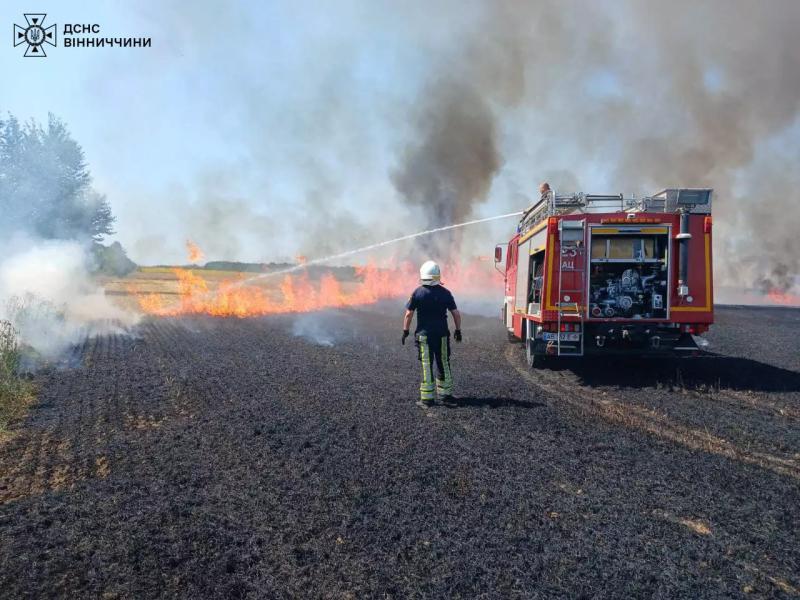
(284, 457)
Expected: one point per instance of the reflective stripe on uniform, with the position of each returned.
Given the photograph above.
(426, 387)
(445, 386)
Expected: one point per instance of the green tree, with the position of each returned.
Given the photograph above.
(12, 148)
(45, 183)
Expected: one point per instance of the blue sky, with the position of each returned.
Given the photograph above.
(263, 130)
(241, 102)
(229, 97)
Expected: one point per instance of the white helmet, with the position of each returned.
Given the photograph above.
(429, 273)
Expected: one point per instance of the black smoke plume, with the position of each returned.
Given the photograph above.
(451, 163)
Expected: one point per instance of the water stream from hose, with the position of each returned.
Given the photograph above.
(332, 257)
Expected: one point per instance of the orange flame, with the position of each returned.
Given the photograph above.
(195, 253)
(299, 293)
(778, 297)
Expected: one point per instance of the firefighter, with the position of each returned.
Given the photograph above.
(431, 301)
(544, 195)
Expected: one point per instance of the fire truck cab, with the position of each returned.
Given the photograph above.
(596, 274)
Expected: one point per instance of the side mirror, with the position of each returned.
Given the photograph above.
(498, 254)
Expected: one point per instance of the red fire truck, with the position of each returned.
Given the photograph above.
(589, 275)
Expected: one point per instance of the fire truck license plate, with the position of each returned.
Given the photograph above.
(565, 337)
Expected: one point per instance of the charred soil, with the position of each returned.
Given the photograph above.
(230, 458)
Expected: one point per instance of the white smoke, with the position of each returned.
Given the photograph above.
(333, 327)
(315, 328)
(48, 295)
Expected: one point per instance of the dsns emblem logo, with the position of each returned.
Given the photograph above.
(35, 35)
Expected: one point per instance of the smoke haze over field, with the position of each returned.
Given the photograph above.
(50, 298)
(282, 129)
(50, 232)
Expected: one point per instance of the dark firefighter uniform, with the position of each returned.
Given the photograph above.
(432, 338)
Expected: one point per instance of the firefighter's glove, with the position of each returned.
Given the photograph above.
(405, 335)
(457, 335)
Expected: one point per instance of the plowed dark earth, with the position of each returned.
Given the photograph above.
(232, 458)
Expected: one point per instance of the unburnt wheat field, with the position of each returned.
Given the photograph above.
(283, 456)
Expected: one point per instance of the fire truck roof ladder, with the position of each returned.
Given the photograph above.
(552, 204)
(696, 200)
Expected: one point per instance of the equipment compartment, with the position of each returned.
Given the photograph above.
(629, 276)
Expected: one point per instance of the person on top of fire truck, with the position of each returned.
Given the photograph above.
(431, 301)
(544, 190)
(544, 195)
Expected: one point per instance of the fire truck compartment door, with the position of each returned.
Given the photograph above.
(571, 231)
(523, 275)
